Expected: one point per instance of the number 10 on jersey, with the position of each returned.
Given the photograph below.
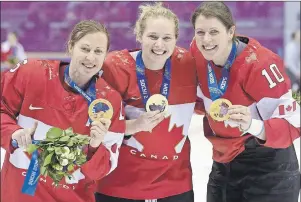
(278, 76)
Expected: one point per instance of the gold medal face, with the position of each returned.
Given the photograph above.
(219, 109)
(100, 108)
(157, 102)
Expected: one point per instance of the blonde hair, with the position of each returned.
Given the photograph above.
(147, 11)
(85, 27)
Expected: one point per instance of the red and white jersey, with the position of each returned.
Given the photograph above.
(36, 91)
(257, 80)
(157, 164)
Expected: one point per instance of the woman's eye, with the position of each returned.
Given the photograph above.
(200, 33)
(213, 32)
(167, 38)
(153, 37)
(86, 49)
(98, 52)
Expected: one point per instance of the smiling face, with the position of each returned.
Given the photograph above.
(158, 40)
(87, 56)
(213, 39)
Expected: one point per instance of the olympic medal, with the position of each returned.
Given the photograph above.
(100, 108)
(157, 102)
(219, 109)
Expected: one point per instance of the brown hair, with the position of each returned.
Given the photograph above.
(157, 10)
(85, 27)
(215, 9)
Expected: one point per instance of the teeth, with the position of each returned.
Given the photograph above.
(89, 66)
(158, 52)
(209, 47)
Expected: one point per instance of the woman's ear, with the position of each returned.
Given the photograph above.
(232, 32)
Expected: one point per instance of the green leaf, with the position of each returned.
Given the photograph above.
(54, 133)
(86, 142)
(42, 156)
(50, 149)
(57, 177)
(48, 159)
(46, 173)
(69, 131)
(70, 167)
(43, 170)
(81, 159)
(64, 138)
(297, 96)
(31, 148)
(70, 144)
(81, 136)
(60, 172)
(58, 150)
(51, 173)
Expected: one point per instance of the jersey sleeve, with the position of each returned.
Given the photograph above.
(104, 159)
(199, 105)
(13, 92)
(270, 87)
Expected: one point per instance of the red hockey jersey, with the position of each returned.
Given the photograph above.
(35, 91)
(153, 165)
(257, 80)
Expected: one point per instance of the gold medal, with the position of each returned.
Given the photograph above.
(100, 108)
(219, 109)
(157, 102)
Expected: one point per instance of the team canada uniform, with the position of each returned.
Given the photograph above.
(246, 168)
(153, 165)
(36, 91)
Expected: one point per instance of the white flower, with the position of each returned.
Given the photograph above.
(71, 156)
(64, 162)
(78, 150)
(66, 150)
(58, 151)
(63, 155)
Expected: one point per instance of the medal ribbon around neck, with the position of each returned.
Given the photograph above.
(89, 94)
(98, 108)
(217, 90)
(142, 82)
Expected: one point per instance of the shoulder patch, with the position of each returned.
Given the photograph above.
(179, 53)
(251, 57)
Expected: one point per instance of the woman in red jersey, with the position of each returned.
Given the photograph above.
(158, 86)
(40, 94)
(251, 118)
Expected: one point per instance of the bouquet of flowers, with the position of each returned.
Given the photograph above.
(60, 153)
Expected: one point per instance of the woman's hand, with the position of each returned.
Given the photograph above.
(24, 136)
(145, 122)
(240, 115)
(98, 130)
